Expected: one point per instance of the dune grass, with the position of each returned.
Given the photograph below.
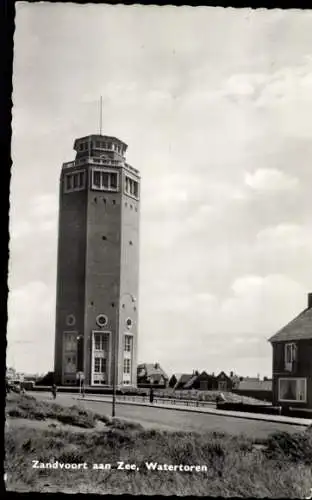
(281, 467)
(28, 407)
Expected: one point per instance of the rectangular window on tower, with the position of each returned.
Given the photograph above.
(68, 182)
(101, 342)
(97, 342)
(70, 342)
(131, 187)
(103, 365)
(127, 366)
(104, 180)
(75, 181)
(97, 364)
(113, 181)
(97, 179)
(128, 343)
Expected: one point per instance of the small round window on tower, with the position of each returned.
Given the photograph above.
(101, 320)
(129, 322)
(70, 320)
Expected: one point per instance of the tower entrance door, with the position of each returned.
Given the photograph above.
(100, 365)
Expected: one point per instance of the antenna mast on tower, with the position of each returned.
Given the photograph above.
(101, 115)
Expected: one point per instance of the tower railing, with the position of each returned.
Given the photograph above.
(98, 161)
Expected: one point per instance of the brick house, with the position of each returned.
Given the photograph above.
(223, 382)
(177, 381)
(292, 361)
(201, 381)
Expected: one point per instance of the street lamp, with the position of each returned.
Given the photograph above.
(115, 351)
(80, 360)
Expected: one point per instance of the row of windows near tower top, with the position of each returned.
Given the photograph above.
(112, 146)
(101, 180)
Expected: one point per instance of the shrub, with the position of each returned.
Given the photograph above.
(71, 454)
(293, 447)
(17, 413)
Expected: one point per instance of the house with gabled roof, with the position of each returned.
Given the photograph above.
(292, 361)
(151, 375)
(224, 382)
(181, 380)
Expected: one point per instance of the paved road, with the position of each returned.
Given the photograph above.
(177, 420)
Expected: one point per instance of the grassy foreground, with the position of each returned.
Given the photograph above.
(28, 407)
(235, 467)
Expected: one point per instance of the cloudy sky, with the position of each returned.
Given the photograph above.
(216, 107)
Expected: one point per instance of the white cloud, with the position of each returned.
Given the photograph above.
(260, 305)
(284, 236)
(30, 327)
(265, 179)
(243, 84)
(39, 216)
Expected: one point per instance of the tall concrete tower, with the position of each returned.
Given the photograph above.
(98, 265)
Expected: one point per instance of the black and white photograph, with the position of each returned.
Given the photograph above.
(159, 335)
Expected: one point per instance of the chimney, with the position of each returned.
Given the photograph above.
(309, 300)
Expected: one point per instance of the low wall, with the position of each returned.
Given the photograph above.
(257, 408)
(261, 395)
(297, 412)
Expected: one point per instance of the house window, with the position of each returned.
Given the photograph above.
(128, 343)
(131, 187)
(75, 181)
(290, 356)
(103, 180)
(292, 389)
(222, 386)
(127, 366)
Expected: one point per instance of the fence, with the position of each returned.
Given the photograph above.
(164, 400)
